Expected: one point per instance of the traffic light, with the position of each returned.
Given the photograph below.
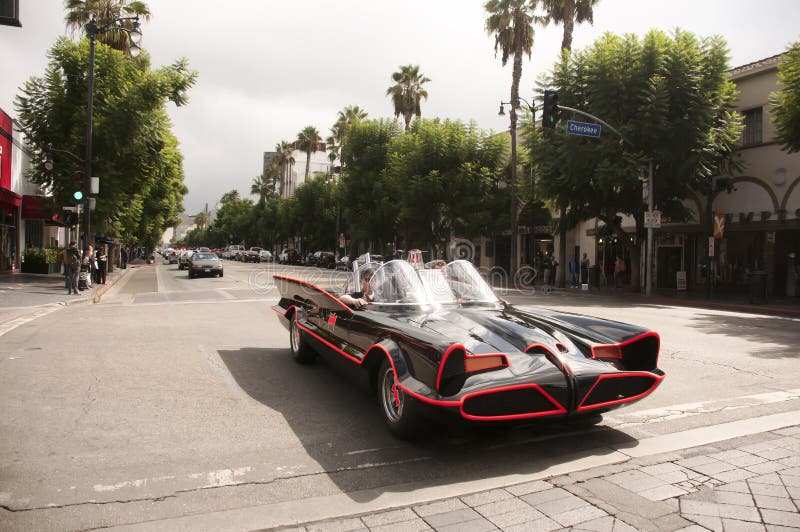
(550, 111)
(77, 180)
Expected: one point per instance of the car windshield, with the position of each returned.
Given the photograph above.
(467, 284)
(204, 256)
(438, 287)
(397, 283)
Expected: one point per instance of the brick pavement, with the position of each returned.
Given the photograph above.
(748, 483)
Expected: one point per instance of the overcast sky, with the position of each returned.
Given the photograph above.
(267, 69)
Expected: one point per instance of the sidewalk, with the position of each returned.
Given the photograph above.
(29, 290)
(747, 483)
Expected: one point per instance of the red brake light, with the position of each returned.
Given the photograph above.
(607, 351)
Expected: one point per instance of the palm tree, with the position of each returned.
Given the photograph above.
(104, 12)
(264, 185)
(407, 92)
(568, 12)
(201, 219)
(347, 116)
(284, 150)
(308, 141)
(511, 23)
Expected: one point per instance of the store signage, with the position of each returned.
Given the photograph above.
(652, 219)
(680, 280)
(719, 224)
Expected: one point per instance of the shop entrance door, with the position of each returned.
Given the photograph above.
(670, 261)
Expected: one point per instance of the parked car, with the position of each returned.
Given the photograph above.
(343, 264)
(173, 256)
(251, 255)
(204, 263)
(289, 256)
(234, 250)
(323, 259)
(443, 342)
(184, 258)
(265, 256)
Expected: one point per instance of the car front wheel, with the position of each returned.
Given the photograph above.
(400, 411)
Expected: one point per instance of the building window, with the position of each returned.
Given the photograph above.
(752, 133)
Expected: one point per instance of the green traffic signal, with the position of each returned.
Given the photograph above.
(78, 195)
(550, 111)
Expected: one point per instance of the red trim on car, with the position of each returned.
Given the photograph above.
(315, 287)
(467, 355)
(558, 411)
(326, 342)
(656, 381)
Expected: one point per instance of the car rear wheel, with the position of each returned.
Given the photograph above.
(301, 351)
(400, 411)
(191, 274)
(220, 274)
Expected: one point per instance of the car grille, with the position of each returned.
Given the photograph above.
(521, 402)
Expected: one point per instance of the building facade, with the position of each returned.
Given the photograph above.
(28, 217)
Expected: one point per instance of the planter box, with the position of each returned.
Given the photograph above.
(38, 267)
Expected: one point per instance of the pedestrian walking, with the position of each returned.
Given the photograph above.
(124, 257)
(573, 271)
(585, 268)
(100, 259)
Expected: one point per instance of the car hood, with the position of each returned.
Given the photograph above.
(509, 329)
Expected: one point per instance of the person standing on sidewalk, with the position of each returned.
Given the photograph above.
(124, 257)
(63, 257)
(74, 259)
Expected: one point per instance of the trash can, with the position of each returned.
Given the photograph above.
(758, 287)
(594, 277)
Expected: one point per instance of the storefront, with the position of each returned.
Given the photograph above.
(9, 200)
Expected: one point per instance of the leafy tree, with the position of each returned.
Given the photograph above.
(786, 100)
(316, 212)
(308, 141)
(201, 219)
(671, 99)
(442, 173)
(135, 153)
(407, 92)
(105, 12)
(368, 209)
(234, 217)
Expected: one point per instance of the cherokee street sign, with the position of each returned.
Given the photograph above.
(583, 129)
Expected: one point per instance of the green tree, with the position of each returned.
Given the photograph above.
(316, 211)
(234, 217)
(135, 152)
(672, 100)
(441, 173)
(786, 100)
(105, 12)
(369, 211)
(308, 141)
(201, 219)
(511, 23)
(408, 92)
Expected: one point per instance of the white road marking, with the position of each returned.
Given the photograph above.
(219, 477)
(667, 413)
(38, 313)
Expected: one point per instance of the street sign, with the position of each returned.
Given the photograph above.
(711, 246)
(70, 208)
(583, 129)
(652, 219)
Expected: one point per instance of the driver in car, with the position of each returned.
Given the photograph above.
(359, 300)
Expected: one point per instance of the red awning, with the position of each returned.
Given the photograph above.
(39, 208)
(9, 198)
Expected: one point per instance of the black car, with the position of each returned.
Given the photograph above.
(323, 259)
(441, 340)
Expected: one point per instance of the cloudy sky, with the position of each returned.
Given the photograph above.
(267, 69)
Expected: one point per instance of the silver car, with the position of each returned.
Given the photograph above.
(204, 263)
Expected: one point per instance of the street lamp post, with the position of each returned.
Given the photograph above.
(92, 31)
(513, 184)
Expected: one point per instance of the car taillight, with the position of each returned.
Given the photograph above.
(607, 351)
(474, 363)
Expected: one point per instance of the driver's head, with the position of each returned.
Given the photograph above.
(365, 275)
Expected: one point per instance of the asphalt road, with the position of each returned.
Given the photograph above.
(178, 396)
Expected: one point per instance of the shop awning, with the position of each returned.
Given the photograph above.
(40, 208)
(9, 198)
